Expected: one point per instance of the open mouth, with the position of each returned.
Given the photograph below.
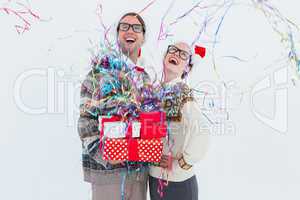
(173, 61)
(130, 40)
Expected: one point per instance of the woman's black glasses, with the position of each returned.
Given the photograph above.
(184, 55)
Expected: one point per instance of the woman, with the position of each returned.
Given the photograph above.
(187, 143)
(109, 180)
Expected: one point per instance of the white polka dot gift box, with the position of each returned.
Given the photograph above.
(136, 150)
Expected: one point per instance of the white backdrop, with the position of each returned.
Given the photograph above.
(253, 155)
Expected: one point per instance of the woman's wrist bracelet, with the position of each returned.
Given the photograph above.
(183, 164)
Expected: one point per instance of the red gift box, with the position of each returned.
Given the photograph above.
(135, 150)
(153, 125)
(125, 146)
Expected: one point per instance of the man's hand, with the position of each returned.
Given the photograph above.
(116, 162)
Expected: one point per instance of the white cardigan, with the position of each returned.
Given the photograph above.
(189, 137)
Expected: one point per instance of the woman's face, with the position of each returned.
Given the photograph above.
(130, 40)
(177, 59)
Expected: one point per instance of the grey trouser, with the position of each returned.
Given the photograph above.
(186, 190)
(132, 191)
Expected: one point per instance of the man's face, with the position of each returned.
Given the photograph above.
(130, 40)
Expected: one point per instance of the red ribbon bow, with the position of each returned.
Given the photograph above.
(139, 69)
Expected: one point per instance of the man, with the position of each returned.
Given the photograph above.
(108, 178)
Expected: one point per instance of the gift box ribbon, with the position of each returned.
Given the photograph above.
(133, 152)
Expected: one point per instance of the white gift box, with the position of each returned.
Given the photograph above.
(118, 129)
(115, 129)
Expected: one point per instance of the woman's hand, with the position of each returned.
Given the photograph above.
(166, 161)
(179, 155)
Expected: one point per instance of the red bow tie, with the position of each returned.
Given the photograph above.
(139, 69)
